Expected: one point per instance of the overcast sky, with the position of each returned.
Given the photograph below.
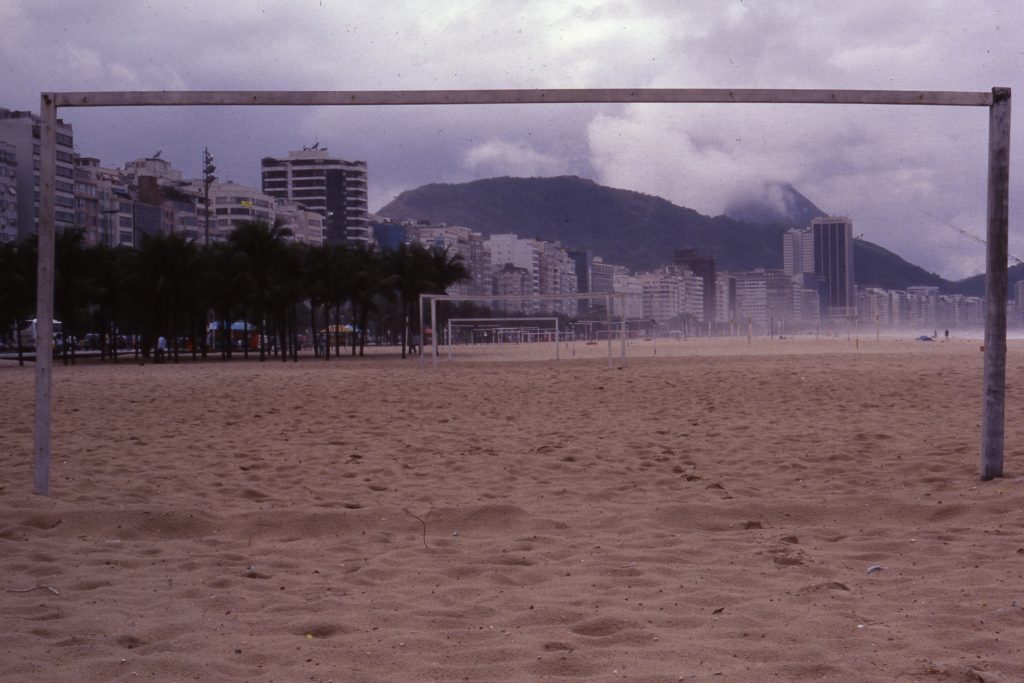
(904, 175)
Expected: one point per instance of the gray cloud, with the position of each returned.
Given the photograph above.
(883, 167)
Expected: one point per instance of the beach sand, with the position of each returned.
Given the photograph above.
(708, 514)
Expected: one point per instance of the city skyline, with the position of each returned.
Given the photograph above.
(885, 166)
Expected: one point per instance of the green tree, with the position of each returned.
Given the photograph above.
(161, 282)
(367, 283)
(226, 286)
(262, 247)
(110, 268)
(17, 293)
(417, 270)
(73, 287)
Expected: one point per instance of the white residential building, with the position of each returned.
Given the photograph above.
(306, 227)
(631, 304)
(333, 187)
(510, 249)
(797, 252)
(154, 167)
(557, 276)
(460, 241)
(20, 130)
(751, 301)
(8, 194)
(233, 204)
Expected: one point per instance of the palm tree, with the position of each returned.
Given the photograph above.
(337, 290)
(160, 281)
(73, 286)
(226, 285)
(110, 267)
(261, 245)
(366, 279)
(286, 289)
(16, 291)
(417, 270)
(316, 275)
(448, 269)
(409, 267)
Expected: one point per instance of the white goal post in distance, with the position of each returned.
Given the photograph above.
(997, 101)
(606, 297)
(523, 319)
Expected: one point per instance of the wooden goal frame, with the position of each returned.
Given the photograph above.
(997, 102)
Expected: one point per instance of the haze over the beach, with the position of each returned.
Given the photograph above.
(902, 174)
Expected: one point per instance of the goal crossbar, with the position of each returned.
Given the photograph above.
(193, 98)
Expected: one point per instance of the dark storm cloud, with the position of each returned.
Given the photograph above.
(883, 167)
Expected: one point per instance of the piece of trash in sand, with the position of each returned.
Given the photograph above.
(456, 532)
(874, 568)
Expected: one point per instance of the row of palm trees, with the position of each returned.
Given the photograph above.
(172, 288)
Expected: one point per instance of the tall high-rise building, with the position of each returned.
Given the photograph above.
(521, 253)
(833, 264)
(797, 252)
(21, 130)
(704, 268)
(8, 194)
(594, 276)
(334, 188)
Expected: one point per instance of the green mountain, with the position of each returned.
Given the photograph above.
(633, 229)
(875, 266)
(975, 285)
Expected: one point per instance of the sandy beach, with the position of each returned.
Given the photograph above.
(788, 510)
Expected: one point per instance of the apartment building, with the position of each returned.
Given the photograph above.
(923, 306)
(20, 130)
(233, 204)
(557, 276)
(306, 227)
(833, 264)
(751, 301)
(631, 304)
(703, 267)
(509, 249)
(593, 275)
(510, 280)
(8, 193)
(457, 241)
(333, 187)
(672, 293)
(797, 252)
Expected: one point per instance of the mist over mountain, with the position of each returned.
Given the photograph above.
(642, 231)
(778, 203)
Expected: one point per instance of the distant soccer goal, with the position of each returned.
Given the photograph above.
(546, 319)
(500, 331)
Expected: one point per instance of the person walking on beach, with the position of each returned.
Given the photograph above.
(161, 348)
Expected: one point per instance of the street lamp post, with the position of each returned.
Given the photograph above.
(208, 177)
